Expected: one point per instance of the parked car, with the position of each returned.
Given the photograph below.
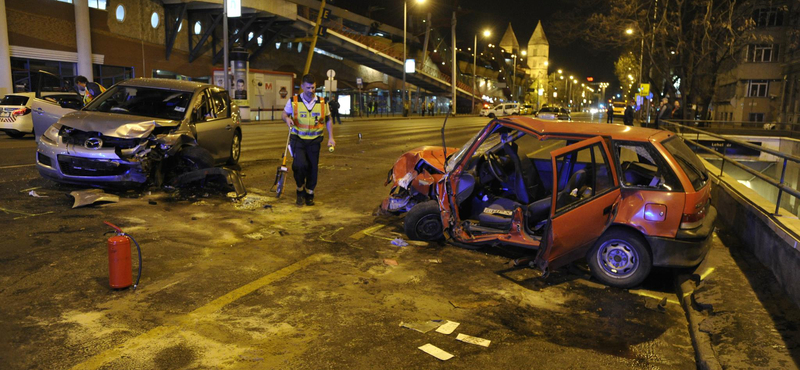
(526, 110)
(619, 108)
(553, 113)
(625, 199)
(501, 110)
(16, 117)
(140, 130)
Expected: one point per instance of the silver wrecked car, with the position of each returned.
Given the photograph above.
(139, 131)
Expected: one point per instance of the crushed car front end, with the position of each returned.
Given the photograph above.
(414, 177)
(120, 154)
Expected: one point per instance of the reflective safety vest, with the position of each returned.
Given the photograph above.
(308, 124)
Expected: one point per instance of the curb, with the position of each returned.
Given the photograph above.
(704, 352)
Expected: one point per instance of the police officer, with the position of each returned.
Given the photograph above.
(89, 90)
(306, 114)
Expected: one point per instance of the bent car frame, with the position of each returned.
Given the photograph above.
(625, 199)
(141, 130)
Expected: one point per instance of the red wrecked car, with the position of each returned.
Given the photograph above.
(623, 198)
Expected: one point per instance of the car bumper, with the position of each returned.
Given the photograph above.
(81, 166)
(688, 248)
(20, 124)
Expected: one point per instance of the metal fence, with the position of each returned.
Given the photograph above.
(782, 129)
(686, 131)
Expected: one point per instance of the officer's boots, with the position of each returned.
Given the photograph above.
(309, 197)
(301, 197)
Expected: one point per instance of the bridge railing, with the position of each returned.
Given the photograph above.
(783, 129)
(687, 131)
(387, 49)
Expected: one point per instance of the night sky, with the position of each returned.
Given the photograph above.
(476, 15)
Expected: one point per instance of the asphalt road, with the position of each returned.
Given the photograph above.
(235, 284)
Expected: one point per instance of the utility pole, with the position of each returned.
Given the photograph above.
(226, 62)
(453, 79)
(314, 39)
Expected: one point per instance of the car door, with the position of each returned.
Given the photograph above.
(45, 113)
(586, 196)
(213, 133)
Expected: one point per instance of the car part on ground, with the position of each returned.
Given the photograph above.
(92, 196)
(215, 179)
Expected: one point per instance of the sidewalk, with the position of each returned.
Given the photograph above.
(364, 118)
(739, 317)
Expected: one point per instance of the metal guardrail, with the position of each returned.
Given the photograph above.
(786, 158)
(784, 129)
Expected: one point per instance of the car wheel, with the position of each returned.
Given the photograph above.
(491, 115)
(620, 258)
(15, 134)
(424, 222)
(236, 148)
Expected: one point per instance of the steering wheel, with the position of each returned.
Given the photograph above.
(495, 167)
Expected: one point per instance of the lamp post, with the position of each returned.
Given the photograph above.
(514, 78)
(486, 33)
(630, 31)
(405, 33)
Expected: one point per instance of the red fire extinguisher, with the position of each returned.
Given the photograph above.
(119, 259)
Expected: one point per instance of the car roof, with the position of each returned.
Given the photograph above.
(615, 132)
(163, 83)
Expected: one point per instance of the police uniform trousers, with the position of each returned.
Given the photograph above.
(306, 160)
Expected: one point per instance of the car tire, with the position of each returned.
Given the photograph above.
(620, 258)
(15, 134)
(236, 148)
(424, 222)
(491, 115)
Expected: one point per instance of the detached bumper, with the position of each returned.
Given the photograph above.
(688, 248)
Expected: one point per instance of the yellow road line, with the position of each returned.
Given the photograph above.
(705, 273)
(17, 166)
(361, 234)
(211, 307)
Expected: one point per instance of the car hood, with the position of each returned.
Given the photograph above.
(115, 125)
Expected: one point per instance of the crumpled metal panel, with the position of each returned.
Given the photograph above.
(92, 196)
(114, 125)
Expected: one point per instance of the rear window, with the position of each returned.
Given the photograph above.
(14, 100)
(689, 162)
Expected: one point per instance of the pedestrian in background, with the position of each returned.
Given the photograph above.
(334, 104)
(676, 111)
(610, 113)
(627, 117)
(664, 112)
(430, 109)
(307, 115)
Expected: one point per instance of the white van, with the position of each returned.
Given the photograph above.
(500, 110)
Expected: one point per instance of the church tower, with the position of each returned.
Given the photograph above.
(509, 42)
(538, 54)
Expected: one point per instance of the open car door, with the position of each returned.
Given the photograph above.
(46, 108)
(586, 196)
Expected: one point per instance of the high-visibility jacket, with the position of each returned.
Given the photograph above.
(93, 89)
(308, 124)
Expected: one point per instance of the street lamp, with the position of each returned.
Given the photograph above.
(514, 78)
(629, 31)
(486, 33)
(405, 32)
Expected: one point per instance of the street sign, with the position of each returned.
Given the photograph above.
(644, 89)
(323, 31)
(331, 73)
(359, 82)
(331, 85)
(411, 65)
(234, 8)
(326, 13)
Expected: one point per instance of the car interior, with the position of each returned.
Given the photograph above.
(643, 168)
(511, 170)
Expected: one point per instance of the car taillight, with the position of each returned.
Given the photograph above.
(21, 111)
(694, 220)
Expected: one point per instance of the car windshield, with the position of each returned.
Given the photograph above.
(14, 100)
(143, 101)
(689, 162)
(455, 158)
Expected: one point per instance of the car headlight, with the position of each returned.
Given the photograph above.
(51, 135)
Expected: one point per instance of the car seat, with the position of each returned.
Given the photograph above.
(540, 209)
(526, 178)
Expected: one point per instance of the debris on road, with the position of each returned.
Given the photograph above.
(421, 326)
(252, 202)
(34, 194)
(390, 262)
(152, 202)
(436, 352)
(448, 327)
(254, 236)
(478, 304)
(216, 178)
(435, 260)
(473, 340)
(92, 196)
(399, 242)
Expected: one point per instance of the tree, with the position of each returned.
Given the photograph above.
(684, 43)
